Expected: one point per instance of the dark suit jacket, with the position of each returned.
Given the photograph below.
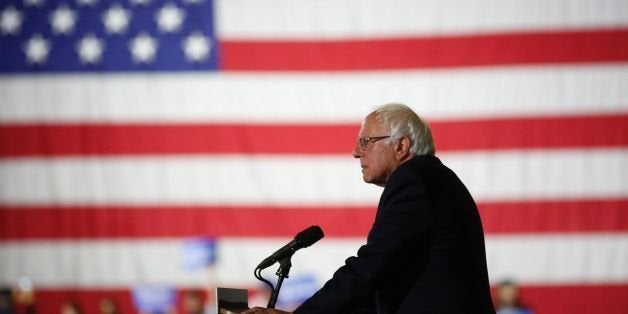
(424, 254)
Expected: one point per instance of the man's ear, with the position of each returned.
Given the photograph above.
(402, 150)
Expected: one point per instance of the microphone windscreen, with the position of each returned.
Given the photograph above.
(309, 236)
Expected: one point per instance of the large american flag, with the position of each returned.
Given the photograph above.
(130, 127)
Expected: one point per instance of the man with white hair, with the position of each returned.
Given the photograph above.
(425, 251)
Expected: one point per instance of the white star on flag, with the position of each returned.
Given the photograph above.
(169, 18)
(196, 47)
(62, 20)
(10, 21)
(90, 49)
(143, 48)
(33, 3)
(37, 49)
(88, 3)
(139, 2)
(116, 19)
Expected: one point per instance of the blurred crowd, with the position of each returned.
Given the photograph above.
(18, 301)
(21, 300)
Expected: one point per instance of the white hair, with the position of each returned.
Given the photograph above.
(402, 121)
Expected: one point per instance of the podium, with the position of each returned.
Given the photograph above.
(231, 300)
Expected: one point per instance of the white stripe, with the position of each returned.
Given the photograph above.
(248, 19)
(313, 180)
(545, 259)
(311, 98)
(559, 258)
(185, 180)
(538, 174)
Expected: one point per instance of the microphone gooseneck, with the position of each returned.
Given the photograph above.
(303, 239)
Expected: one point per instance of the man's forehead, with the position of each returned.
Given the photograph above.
(371, 123)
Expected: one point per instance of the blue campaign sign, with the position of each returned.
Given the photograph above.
(297, 289)
(198, 253)
(154, 298)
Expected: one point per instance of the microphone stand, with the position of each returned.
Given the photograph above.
(282, 272)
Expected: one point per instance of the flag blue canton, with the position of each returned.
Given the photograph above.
(97, 35)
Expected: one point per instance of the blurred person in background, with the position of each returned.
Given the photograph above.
(71, 307)
(6, 300)
(193, 302)
(108, 306)
(24, 296)
(507, 299)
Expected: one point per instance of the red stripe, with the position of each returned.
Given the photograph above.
(114, 222)
(20, 140)
(160, 221)
(532, 132)
(137, 139)
(558, 299)
(582, 299)
(602, 45)
(556, 216)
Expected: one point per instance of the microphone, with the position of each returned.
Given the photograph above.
(303, 239)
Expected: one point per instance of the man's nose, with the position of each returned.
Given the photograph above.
(357, 152)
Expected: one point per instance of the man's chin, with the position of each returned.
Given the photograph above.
(373, 181)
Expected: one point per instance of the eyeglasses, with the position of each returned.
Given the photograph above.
(364, 141)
